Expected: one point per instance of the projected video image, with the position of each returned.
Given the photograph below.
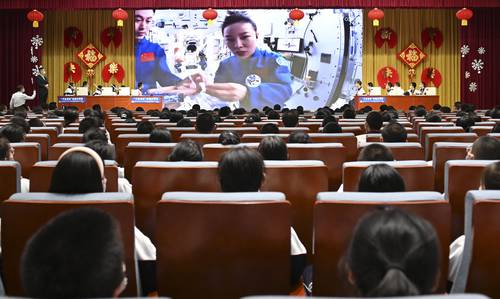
(249, 58)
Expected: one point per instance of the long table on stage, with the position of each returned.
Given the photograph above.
(108, 102)
(398, 102)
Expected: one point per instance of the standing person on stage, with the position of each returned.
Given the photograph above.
(42, 86)
(19, 98)
(359, 87)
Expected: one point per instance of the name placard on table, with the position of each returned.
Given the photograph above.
(145, 100)
(68, 100)
(372, 99)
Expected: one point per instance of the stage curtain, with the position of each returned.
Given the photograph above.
(91, 23)
(408, 24)
(483, 31)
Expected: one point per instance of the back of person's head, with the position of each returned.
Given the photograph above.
(145, 127)
(375, 152)
(94, 134)
(105, 150)
(349, 114)
(299, 137)
(490, 179)
(269, 128)
(6, 152)
(433, 117)
(300, 109)
(78, 254)
(192, 113)
(436, 107)
(393, 253)
(496, 129)
(277, 107)
(229, 137)
(224, 111)
(445, 109)
(253, 117)
(36, 123)
(184, 123)
(485, 148)
(290, 119)
(160, 135)
(272, 114)
(273, 148)
(21, 122)
(394, 132)
(241, 170)
(381, 178)
(205, 123)
(495, 112)
(327, 119)
(88, 123)
(79, 170)
(466, 122)
(374, 121)
(420, 112)
(70, 116)
(13, 133)
(164, 115)
(186, 150)
(52, 106)
(332, 127)
(21, 112)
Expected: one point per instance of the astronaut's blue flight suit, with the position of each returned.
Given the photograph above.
(265, 74)
(151, 66)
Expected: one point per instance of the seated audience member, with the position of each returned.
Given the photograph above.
(78, 254)
(36, 123)
(299, 137)
(7, 153)
(349, 114)
(13, 132)
(192, 113)
(269, 128)
(253, 117)
(145, 127)
(420, 112)
(375, 152)
(495, 112)
(70, 116)
(184, 123)
(433, 117)
(273, 148)
(496, 129)
(490, 179)
(229, 137)
(243, 170)
(81, 170)
(205, 123)
(88, 123)
(381, 178)
(160, 135)
(332, 127)
(484, 148)
(394, 132)
(393, 253)
(186, 150)
(290, 119)
(176, 116)
(327, 119)
(466, 122)
(273, 115)
(277, 107)
(445, 109)
(373, 123)
(94, 134)
(21, 122)
(436, 107)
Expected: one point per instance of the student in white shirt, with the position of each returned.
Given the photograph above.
(413, 88)
(397, 90)
(19, 98)
(370, 88)
(359, 88)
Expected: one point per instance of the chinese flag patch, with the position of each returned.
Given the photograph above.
(148, 56)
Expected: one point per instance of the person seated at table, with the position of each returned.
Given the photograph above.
(413, 88)
(98, 90)
(359, 88)
(389, 88)
(397, 90)
(370, 88)
(421, 89)
(70, 89)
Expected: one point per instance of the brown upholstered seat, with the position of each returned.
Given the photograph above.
(36, 209)
(347, 139)
(419, 125)
(43, 140)
(496, 135)
(442, 152)
(177, 132)
(51, 131)
(27, 154)
(433, 130)
(10, 176)
(402, 150)
(220, 245)
(201, 138)
(113, 134)
(481, 130)
(123, 140)
(377, 137)
(71, 130)
(240, 130)
(145, 151)
(214, 151)
(69, 138)
(56, 150)
(256, 138)
(444, 137)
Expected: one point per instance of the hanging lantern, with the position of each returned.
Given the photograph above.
(35, 16)
(210, 15)
(296, 15)
(464, 15)
(120, 15)
(376, 15)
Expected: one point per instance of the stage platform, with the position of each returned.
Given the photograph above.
(398, 102)
(108, 102)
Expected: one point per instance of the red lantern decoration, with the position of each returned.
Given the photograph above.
(376, 15)
(120, 15)
(35, 16)
(210, 15)
(296, 15)
(464, 15)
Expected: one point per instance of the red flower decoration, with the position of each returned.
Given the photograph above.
(386, 35)
(431, 34)
(111, 34)
(35, 16)
(431, 75)
(387, 74)
(72, 35)
(113, 69)
(72, 72)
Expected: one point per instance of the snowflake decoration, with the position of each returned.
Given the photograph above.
(464, 50)
(481, 50)
(37, 41)
(467, 74)
(35, 71)
(473, 87)
(34, 59)
(478, 65)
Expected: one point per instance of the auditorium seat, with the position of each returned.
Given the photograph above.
(56, 150)
(43, 140)
(239, 130)
(478, 271)
(123, 140)
(36, 209)
(313, 126)
(201, 139)
(481, 130)
(401, 150)
(234, 256)
(432, 138)
(144, 151)
(117, 131)
(289, 130)
(352, 129)
(27, 154)
(461, 176)
(71, 130)
(336, 215)
(41, 176)
(347, 139)
(419, 125)
(256, 138)
(214, 151)
(57, 125)
(496, 135)
(442, 152)
(428, 130)
(69, 138)
(418, 175)
(177, 132)
(10, 176)
(444, 296)
(51, 131)
(377, 137)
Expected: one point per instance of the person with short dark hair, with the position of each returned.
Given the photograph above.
(145, 127)
(94, 134)
(13, 132)
(393, 253)
(252, 117)
(186, 150)
(175, 116)
(445, 109)
(420, 112)
(273, 148)
(375, 152)
(490, 179)
(160, 135)
(192, 113)
(496, 129)
(21, 122)
(184, 123)
(229, 137)
(381, 178)
(36, 123)
(290, 119)
(299, 137)
(327, 119)
(484, 148)
(466, 122)
(332, 127)
(433, 117)
(373, 123)
(495, 112)
(19, 98)
(394, 132)
(70, 116)
(436, 107)
(7, 153)
(87, 123)
(269, 128)
(273, 115)
(349, 114)
(205, 123)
